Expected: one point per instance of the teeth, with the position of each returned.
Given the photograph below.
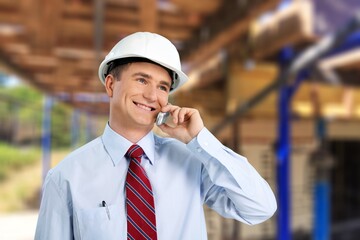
(143, 107)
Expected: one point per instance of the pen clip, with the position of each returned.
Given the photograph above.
(103, 203)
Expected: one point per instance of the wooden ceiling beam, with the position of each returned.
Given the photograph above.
(179, 20)
(112, 13)
(9, 17)
(292, 26)
(41, 60)
(36, 64)
(148, 15)
(9, 42)
(42, 18)
(124, 15)
(8, 4)
(9, 67)
(349, 59)
(83, 28)
(122, 3)
(75, 53)
(198, 6)
(180, 34)
(119, 30)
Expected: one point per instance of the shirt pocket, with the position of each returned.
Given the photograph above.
(101, 223)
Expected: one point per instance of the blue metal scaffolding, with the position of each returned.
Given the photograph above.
(341, 41)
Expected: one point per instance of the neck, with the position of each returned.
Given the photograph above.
(133, 134)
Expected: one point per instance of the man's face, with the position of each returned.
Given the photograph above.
(138, 95)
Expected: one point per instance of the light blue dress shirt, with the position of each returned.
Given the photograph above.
(183, 178)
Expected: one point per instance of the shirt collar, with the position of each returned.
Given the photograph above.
(117, 146)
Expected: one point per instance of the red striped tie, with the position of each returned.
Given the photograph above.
(141, 222)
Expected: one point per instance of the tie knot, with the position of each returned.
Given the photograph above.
(135, 151)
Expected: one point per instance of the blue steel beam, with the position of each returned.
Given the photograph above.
(351, 42)
(283, 166)
(75, 128)
(46, 136)
(89, 128)
(322, 210)
(322, 163)
(283, 146)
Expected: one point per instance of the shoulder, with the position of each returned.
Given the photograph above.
(78, 158)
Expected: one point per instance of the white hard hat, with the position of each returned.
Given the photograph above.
(151, 46)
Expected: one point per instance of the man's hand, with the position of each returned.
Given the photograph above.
(187, 123)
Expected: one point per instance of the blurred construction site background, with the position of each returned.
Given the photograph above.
(277, 81)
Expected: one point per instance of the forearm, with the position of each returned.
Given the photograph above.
(231, 185)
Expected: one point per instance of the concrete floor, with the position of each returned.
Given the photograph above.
(18, 226)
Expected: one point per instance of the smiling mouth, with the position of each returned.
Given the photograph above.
(147, 108)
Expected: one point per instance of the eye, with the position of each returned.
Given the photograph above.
(141, 80)
(164, 88)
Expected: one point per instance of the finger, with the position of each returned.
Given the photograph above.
(175, 114)
(166, 108)
(169, 108)
(182, 114)
(186, 114)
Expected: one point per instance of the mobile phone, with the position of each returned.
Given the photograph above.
(161, 118)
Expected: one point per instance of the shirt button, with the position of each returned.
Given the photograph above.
(199, 149)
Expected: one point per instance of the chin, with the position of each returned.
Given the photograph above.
(146, 123)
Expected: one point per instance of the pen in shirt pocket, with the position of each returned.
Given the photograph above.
(103, 203)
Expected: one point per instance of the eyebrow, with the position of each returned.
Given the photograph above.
(145, 75)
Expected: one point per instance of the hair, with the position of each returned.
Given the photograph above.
(117, 70)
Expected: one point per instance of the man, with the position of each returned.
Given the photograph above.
(91, 194)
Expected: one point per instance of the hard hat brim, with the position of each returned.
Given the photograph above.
(182, 77)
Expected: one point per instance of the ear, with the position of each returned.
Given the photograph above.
(109, 85)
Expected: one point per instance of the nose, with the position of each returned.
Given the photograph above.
(150, 93)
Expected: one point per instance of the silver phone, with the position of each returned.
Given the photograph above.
(161, 118)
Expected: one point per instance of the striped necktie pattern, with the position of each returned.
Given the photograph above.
(141, 221)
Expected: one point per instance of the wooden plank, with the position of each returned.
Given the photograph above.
(42, 17)
(8, 4)
(9, 42)
(181, 34)
(349, 59)
(41, 60)
(83, 29)
(230, 32)
(75, 53)
(170, 19)
(36, 63)
(119, 29)
(290, 26)
(9, 67)
(73, 27)
(148, 15)
(84, 10)
(9, 17)
(198, 6)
